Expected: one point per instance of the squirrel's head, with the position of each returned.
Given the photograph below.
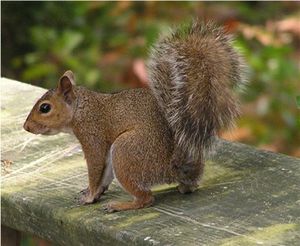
(53, 112)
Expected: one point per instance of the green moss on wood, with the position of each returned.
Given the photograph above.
(272, 235)
(243, 189)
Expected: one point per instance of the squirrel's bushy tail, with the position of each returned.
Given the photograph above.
(192, 74)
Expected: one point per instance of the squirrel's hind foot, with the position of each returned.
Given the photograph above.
(186, 189)
(122, 206)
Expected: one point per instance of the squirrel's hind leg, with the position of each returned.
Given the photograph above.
(189, 175)
(142, 198)
(186, 189)
(128, 167)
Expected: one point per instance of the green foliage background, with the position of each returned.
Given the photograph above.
(99, 41)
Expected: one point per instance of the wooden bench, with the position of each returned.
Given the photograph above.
(247, 197)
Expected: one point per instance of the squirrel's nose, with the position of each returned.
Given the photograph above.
(26, 127)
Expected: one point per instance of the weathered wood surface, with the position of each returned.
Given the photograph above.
(248, 197)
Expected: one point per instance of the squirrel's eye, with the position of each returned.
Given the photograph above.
(45, 108)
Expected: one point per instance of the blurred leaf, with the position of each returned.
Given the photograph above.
(105, 44)
(298, 101)
(42, 37)
(38, 71)
(68, 41)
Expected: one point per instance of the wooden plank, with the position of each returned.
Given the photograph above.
(248, 197)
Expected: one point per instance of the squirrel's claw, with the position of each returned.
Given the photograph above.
(85, 198)
(186, 189)
(109, 208)
(84, 191)
(81, 195)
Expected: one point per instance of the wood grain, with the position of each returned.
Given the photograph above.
(247, 197)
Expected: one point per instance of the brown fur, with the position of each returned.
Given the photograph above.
(128, 125)
(144, 137)
(193, 73)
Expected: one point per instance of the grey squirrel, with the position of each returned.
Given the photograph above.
(143, 137)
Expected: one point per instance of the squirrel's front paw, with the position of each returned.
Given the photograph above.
(84, 191)
(87, 198)
(84, 200)
(84, 197)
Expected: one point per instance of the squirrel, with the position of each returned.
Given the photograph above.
(148, 136)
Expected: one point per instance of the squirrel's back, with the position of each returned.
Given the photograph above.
(193, 72)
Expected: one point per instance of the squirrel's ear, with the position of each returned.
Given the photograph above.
(65, 86)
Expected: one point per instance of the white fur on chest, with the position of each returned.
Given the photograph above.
(109, 173)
